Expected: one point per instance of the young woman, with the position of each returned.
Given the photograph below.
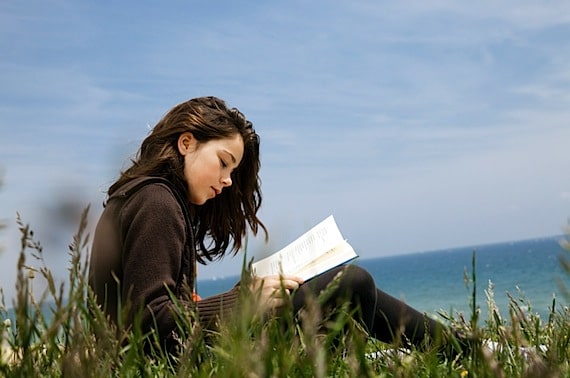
(190, 195)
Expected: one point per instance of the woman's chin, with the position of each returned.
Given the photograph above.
(198, 201)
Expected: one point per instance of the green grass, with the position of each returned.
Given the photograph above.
(61, 334)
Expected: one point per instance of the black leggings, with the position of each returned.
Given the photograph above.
(384, 317)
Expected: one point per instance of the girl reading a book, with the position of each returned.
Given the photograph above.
(190, 196)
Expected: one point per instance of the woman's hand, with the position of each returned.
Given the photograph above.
(273, 291)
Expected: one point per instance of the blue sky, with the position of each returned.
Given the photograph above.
(420, 125)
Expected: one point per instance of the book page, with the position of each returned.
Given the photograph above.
(340, 254)
(322, 238)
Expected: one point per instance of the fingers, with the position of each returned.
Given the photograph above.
(274, 291)
(288, 282)
(296, 279)
(278, 289)
(278, 297)
(281, 293)
(273, 303)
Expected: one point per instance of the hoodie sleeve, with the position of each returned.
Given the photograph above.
(154, 239)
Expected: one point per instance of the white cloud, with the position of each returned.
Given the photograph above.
(437, 119)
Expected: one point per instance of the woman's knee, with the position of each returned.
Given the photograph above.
(359, 278)
(355, 282)
(347, 282)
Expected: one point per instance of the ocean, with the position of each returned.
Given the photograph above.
(527, 270)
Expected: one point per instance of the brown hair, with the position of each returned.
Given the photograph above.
(221, 222)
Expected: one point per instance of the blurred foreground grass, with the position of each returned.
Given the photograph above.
(61, 333)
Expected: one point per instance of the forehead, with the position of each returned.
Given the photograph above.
(231, 145)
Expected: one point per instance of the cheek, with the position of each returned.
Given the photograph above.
(201, 177)
(188, 174)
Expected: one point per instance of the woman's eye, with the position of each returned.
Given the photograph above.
(223, 163)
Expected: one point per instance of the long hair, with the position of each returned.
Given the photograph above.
(221, 223)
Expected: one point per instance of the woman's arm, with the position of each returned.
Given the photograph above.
(154, 235)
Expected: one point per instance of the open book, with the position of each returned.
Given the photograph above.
(316, 251)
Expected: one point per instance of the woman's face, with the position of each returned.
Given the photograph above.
(208, 166)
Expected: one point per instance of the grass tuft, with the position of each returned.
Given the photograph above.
(62, 333)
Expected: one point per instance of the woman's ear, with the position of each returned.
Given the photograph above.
(186, 143)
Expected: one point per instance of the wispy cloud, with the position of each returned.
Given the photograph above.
(435, 119)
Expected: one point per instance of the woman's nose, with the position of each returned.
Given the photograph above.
(227, 181)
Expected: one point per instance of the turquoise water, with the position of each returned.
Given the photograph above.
(434, 281)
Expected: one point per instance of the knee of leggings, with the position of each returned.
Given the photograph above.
(359, 280)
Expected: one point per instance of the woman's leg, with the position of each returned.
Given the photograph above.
(341, 284)
(395, 321)
(385, 317)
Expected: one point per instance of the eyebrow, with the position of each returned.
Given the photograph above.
(231, 155)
